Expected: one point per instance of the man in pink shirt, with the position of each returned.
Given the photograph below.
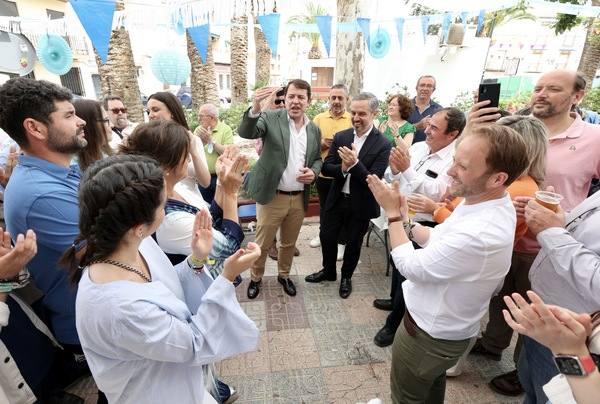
(573, 160)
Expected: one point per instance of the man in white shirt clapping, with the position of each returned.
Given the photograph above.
(450, 281)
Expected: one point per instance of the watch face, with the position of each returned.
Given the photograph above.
(569, 366)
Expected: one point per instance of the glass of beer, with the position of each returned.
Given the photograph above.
(411, 213)
(550, 200)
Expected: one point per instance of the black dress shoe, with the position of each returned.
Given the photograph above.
(345, 288)
(384, 337)
(253, 289)
(507, 384)
(288, 285)
(479, 349)
(296, 252)
(318, 277)
(383, 304)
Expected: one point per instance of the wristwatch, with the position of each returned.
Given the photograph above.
(571, 365)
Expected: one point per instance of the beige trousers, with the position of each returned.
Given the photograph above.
(286, 213)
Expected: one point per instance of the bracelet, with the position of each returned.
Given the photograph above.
(197, 264)
(394, 219)
(408, 228)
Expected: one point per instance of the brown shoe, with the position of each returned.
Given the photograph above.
(507, 384)
(273, 253)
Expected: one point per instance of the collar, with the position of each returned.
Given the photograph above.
(367, 133)
(306, 120)
(446, 152)
(48, 167)
(574, 131)
(346, 114)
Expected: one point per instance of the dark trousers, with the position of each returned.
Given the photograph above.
(334, 221)
(323, 186)
(208, 193)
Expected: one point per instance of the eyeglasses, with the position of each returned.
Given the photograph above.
(118, 110)
(279, 101)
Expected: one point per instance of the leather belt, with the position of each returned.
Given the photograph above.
(410, 325)
(290, 193)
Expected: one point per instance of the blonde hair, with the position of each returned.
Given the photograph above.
(535, 134)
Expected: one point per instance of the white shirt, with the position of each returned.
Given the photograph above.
(451, 280)
(358, 142)
(296, 158)
(422, 160)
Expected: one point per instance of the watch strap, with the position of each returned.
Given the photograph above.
(588, 364)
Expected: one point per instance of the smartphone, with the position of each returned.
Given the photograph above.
(489, 91)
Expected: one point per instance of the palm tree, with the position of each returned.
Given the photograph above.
(119, 75)
(312, 10)
(203, 77)
(239, 59)
(590, 56)
(497, 18)
(263, 52)
(350, 49)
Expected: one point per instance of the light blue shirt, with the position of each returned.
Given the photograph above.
(43, 196)
(147, 342)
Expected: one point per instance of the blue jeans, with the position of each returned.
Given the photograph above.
(535, 367)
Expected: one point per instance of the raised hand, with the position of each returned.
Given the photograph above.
(202, 234)
(12, 260)
(388, 197)
(349, 156)
(231, 174)
(480, 116)
(260, 95)
(421, 204)
(240, 261)
(11, 162)
(399, 159)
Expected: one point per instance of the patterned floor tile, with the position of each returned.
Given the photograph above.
(292, 349)
(352, 384)
(283, 312)
(252, 389)
(323, 311)
(362, 312)
(299, 386)
(257, 313)
(251, 363)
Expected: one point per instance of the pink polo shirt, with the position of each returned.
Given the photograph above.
(573, 159)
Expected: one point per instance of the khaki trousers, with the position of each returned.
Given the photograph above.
(286, 213)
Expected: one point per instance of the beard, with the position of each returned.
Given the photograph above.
(70, 145)
(462, 190)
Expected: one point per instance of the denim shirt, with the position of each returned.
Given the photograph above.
(43, 196)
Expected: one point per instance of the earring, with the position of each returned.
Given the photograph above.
(141, 235)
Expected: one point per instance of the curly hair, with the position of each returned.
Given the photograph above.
(405, 106)
(95, 132)
(165, 141)
(115, 195)
(173, 105)
(22, 98)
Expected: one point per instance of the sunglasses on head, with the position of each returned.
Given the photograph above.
(279, 101)
(119, 110)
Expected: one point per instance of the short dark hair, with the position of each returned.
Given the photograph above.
(340, 86)
(301, 84)
(165, 141)
(456, 119)
(108, 98)
(427, 76)
(507, 150)
(115, 195)
(580, 82)
(404, 105)
(22, 98)
(95, 133)
(173, 105)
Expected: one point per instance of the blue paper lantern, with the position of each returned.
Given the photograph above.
(379, 43)
(171, 66)
(55, 54)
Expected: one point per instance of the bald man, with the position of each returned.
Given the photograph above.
(573, 160)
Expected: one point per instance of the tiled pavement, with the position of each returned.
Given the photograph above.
(318, 348)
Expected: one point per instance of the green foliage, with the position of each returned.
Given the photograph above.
(517, 102)
(418, 9)
(232, 116)
(463, 101)
(564, 22)
(309, 17)
(191, 116)
(315, 108)
(518, 12)
(592, 100)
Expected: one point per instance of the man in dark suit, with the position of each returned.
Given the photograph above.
(280, 181)
(354, 154)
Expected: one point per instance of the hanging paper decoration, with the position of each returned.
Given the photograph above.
(201, 37)
(270, 27)
(480, 21)
(446, 26)
(379, 43)
(424, 26)
(54, 54)
(365, 24)
(463, 18)
(171, 66)
(96, 18)
(177, 22)
(400, 30)
(324, 24)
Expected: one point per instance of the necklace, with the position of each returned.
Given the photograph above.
(125, 267)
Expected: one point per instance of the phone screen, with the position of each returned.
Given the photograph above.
(489, 91)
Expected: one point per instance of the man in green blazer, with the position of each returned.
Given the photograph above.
(280, 181)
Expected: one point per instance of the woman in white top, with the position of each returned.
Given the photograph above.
(146, 327)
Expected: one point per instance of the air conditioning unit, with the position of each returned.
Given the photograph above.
(456, 34)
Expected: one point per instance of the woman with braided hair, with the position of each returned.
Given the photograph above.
(145, 326)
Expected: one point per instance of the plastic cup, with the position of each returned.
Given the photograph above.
(550, 200)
